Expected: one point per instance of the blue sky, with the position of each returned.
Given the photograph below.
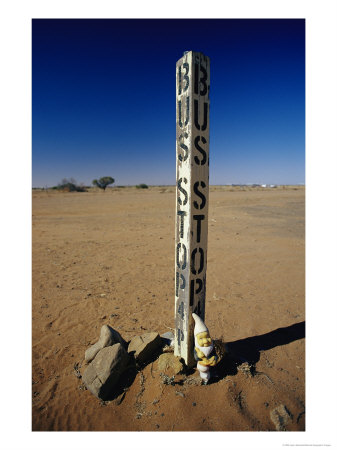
(103, 99)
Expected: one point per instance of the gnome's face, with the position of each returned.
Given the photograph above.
(203, 339)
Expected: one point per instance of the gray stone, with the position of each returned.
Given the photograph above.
(104, 371)
(108, 337)
(144, 346)
(168, 338)
(169, 364)
(280, 416)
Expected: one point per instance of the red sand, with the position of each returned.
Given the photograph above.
(109, 258)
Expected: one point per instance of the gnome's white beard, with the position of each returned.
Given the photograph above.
(205, 350)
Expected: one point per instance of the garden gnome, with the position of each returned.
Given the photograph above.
(204, 352)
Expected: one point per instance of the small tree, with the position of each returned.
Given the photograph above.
(103, 182)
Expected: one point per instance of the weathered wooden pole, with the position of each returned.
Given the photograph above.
(192, 150)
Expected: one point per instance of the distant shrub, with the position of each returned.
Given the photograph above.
(69, 186)
(142, 186)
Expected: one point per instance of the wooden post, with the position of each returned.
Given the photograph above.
(192, 150)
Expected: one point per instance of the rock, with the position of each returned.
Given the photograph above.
(104, 371)
(108, 337)
(246, 369)
(144, 346)
(181, 394)
(168, 338)
(169, 364)
(280, 417)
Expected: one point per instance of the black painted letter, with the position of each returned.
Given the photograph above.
(182, 190)
(201, 264)
(199, 194)
(201, 150)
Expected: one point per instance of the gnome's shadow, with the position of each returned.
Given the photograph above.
(248, 350)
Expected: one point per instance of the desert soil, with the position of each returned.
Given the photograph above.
(108, 258)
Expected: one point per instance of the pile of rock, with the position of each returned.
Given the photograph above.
(280, 417)
(110, 357)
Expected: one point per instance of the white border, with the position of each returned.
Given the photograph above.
(321, 223)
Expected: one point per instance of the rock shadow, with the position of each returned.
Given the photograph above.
(248, 350)
(127, 378)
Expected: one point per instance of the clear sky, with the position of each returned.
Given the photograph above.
(103, 99)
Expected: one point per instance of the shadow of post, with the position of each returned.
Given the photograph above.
(248, 349)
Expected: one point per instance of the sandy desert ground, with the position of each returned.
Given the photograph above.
(108, 258)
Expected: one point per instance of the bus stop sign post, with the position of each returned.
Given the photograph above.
(192, 192)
